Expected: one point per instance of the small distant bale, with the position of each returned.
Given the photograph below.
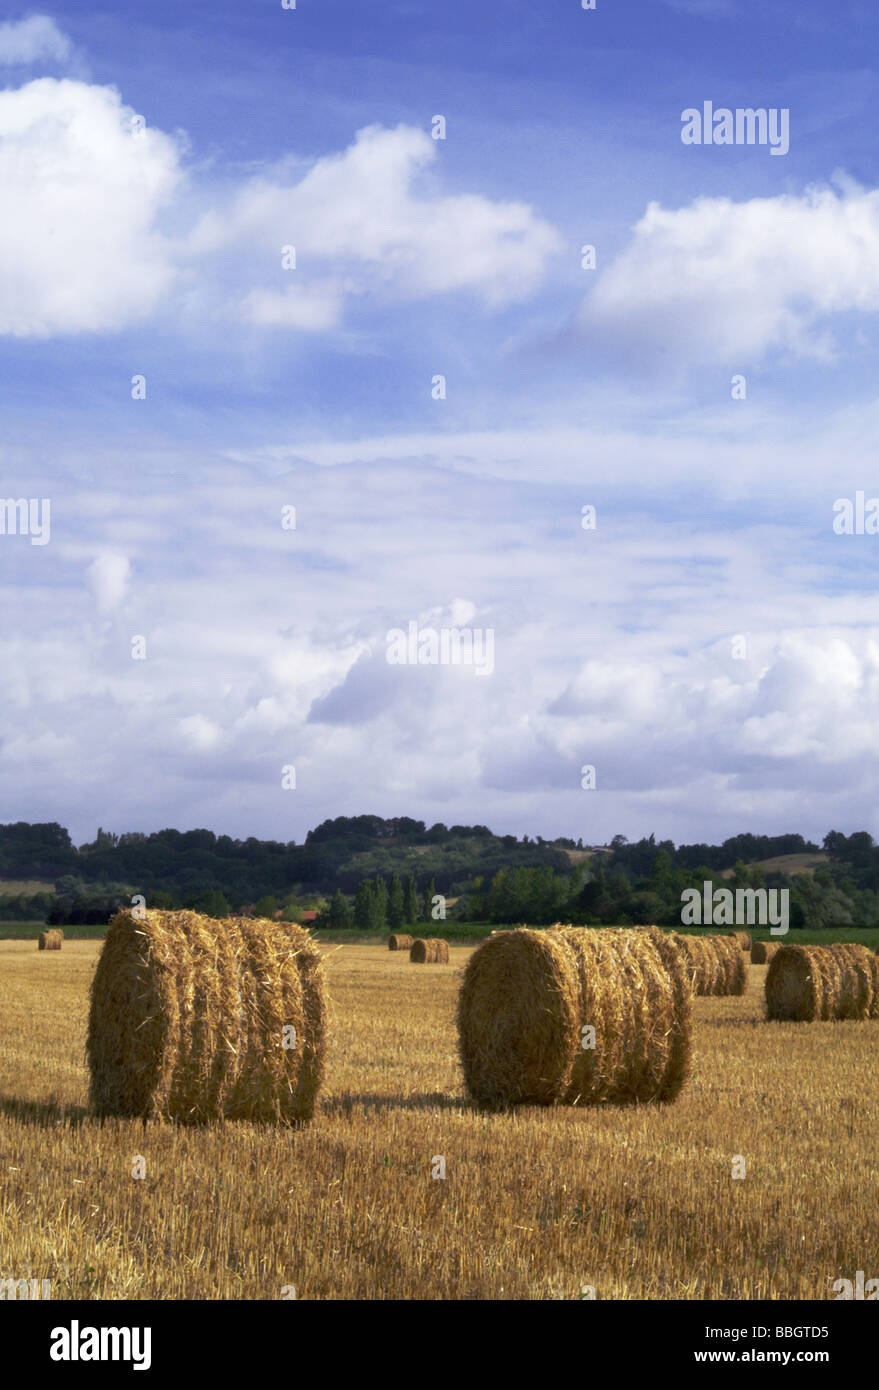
(743, 938)
(398, 941)
(763, 951)
(196, 1019)
(50, 940)
(828, 983)
(716, 964)
(528, 996)
(429, 951)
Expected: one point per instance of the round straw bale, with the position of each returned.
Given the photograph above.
(50, 940)
(838, 981)
(732, 976)
(399, 941)
(858, 990)
(528, 997)
(712, 969)
(715, 964)
(692, 958)
(191, 1019)
(429, 950)
(874, 968)
(743, 938)
(763, 951)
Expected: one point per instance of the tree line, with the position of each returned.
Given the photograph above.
(381, 906)
(382, 874)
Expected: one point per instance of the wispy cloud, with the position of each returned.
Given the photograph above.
(33, 40)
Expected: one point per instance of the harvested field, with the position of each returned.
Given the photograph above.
(636, 1201)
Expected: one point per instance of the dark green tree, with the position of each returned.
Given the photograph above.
(365, 906)
(381, 904)
(213, 904)
(427, 901)
(338, 913)
(395, 909)
(410, 900)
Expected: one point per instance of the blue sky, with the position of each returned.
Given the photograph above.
(158, 252)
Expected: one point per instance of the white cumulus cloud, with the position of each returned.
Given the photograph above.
(726, 282)
(82, 188)
(88, 183)
(364, 215)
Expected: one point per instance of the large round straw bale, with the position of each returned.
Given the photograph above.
(429, 951)
(838, 981)
(528, 996)
(50, 940)
(399, 941)
(195, 1019)
(763, 951)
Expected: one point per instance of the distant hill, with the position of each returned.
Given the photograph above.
(336, 854)
(787, 864)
